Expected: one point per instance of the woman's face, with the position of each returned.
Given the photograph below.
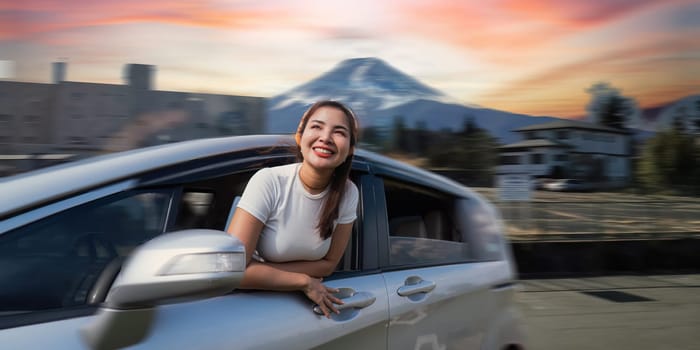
(325, 141)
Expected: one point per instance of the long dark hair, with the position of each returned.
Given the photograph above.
(330, 209)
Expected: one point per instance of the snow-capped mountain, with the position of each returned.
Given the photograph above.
(366, 83)
(379, 93)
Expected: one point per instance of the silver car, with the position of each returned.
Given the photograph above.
(129, 250)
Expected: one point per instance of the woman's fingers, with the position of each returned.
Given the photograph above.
(331, 307)
(323, 297)
(332, 297)
(325, 310)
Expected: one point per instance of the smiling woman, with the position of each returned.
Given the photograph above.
(295, 220)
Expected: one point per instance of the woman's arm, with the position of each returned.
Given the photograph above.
(326, 265)
(247, 228)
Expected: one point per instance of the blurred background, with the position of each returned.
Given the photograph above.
(579, 120)
(576, 118)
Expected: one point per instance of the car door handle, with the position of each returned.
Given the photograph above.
(357, 300)
(416, 287)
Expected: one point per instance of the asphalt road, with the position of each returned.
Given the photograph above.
(618, 312)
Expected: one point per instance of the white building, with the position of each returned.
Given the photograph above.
(572, 149)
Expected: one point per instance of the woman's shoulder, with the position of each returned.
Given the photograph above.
(285, 170)
(351, 189)
(349, 184)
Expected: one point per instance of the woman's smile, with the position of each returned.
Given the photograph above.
(325, 141)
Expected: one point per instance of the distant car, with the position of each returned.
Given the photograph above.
(128, 250)
(538, 183)
(566, 185)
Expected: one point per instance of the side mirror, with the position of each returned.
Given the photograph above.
(190, 264)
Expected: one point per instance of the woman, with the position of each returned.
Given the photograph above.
(299, 216)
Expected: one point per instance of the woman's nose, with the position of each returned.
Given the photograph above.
(326, 136)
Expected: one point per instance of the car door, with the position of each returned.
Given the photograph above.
(279, 320)
(440, 290)
(241, 319)
(59, 260)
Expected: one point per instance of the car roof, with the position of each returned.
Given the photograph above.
(42, 185)
(48, 184)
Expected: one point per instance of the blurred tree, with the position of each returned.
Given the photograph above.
(399, 138)
(421, 135)
(468, 126)
(608, 107)
(370, 136)
(670, 161)
(697, 116)
(678, 124)
(471, 150)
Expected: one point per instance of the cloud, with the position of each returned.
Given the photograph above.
(22, 21)
(652, 73)
(575, 13)
(506, 31)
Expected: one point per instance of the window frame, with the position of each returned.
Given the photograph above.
(383, 235)
(108, 194)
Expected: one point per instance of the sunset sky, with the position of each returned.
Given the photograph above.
(533, 57)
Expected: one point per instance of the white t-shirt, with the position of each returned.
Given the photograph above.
(276, 197)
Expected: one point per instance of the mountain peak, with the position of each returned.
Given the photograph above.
(354, 63)
(361, 82)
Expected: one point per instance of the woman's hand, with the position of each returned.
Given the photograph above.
(322, 295)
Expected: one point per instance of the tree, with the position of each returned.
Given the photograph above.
(421, 135)
(468, 126)
(697, 116)
(475, 152)
(608, 107)
(670, 161)
(370, 136)
(399, 138)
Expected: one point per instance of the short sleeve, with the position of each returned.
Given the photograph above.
(259, 195)
(347, 212)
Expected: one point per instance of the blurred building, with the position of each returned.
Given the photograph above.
(570, 149)
(42, 124)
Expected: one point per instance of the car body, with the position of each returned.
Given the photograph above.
(566, 185)
(427, 267)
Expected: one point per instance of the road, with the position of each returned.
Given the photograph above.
(616, 312)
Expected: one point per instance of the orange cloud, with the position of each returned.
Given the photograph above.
(576, 13)
(653, 74)
(38, 17)
(503, 31)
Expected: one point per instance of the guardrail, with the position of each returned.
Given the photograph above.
(584, 238)
(557, 220)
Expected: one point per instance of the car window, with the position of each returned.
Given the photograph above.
(210, 204)
(55, 262)
(421, 226)
(481, 228)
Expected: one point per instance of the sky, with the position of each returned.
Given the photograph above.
(530, 57)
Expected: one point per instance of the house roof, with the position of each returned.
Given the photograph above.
(572, 124)
(536, 143)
